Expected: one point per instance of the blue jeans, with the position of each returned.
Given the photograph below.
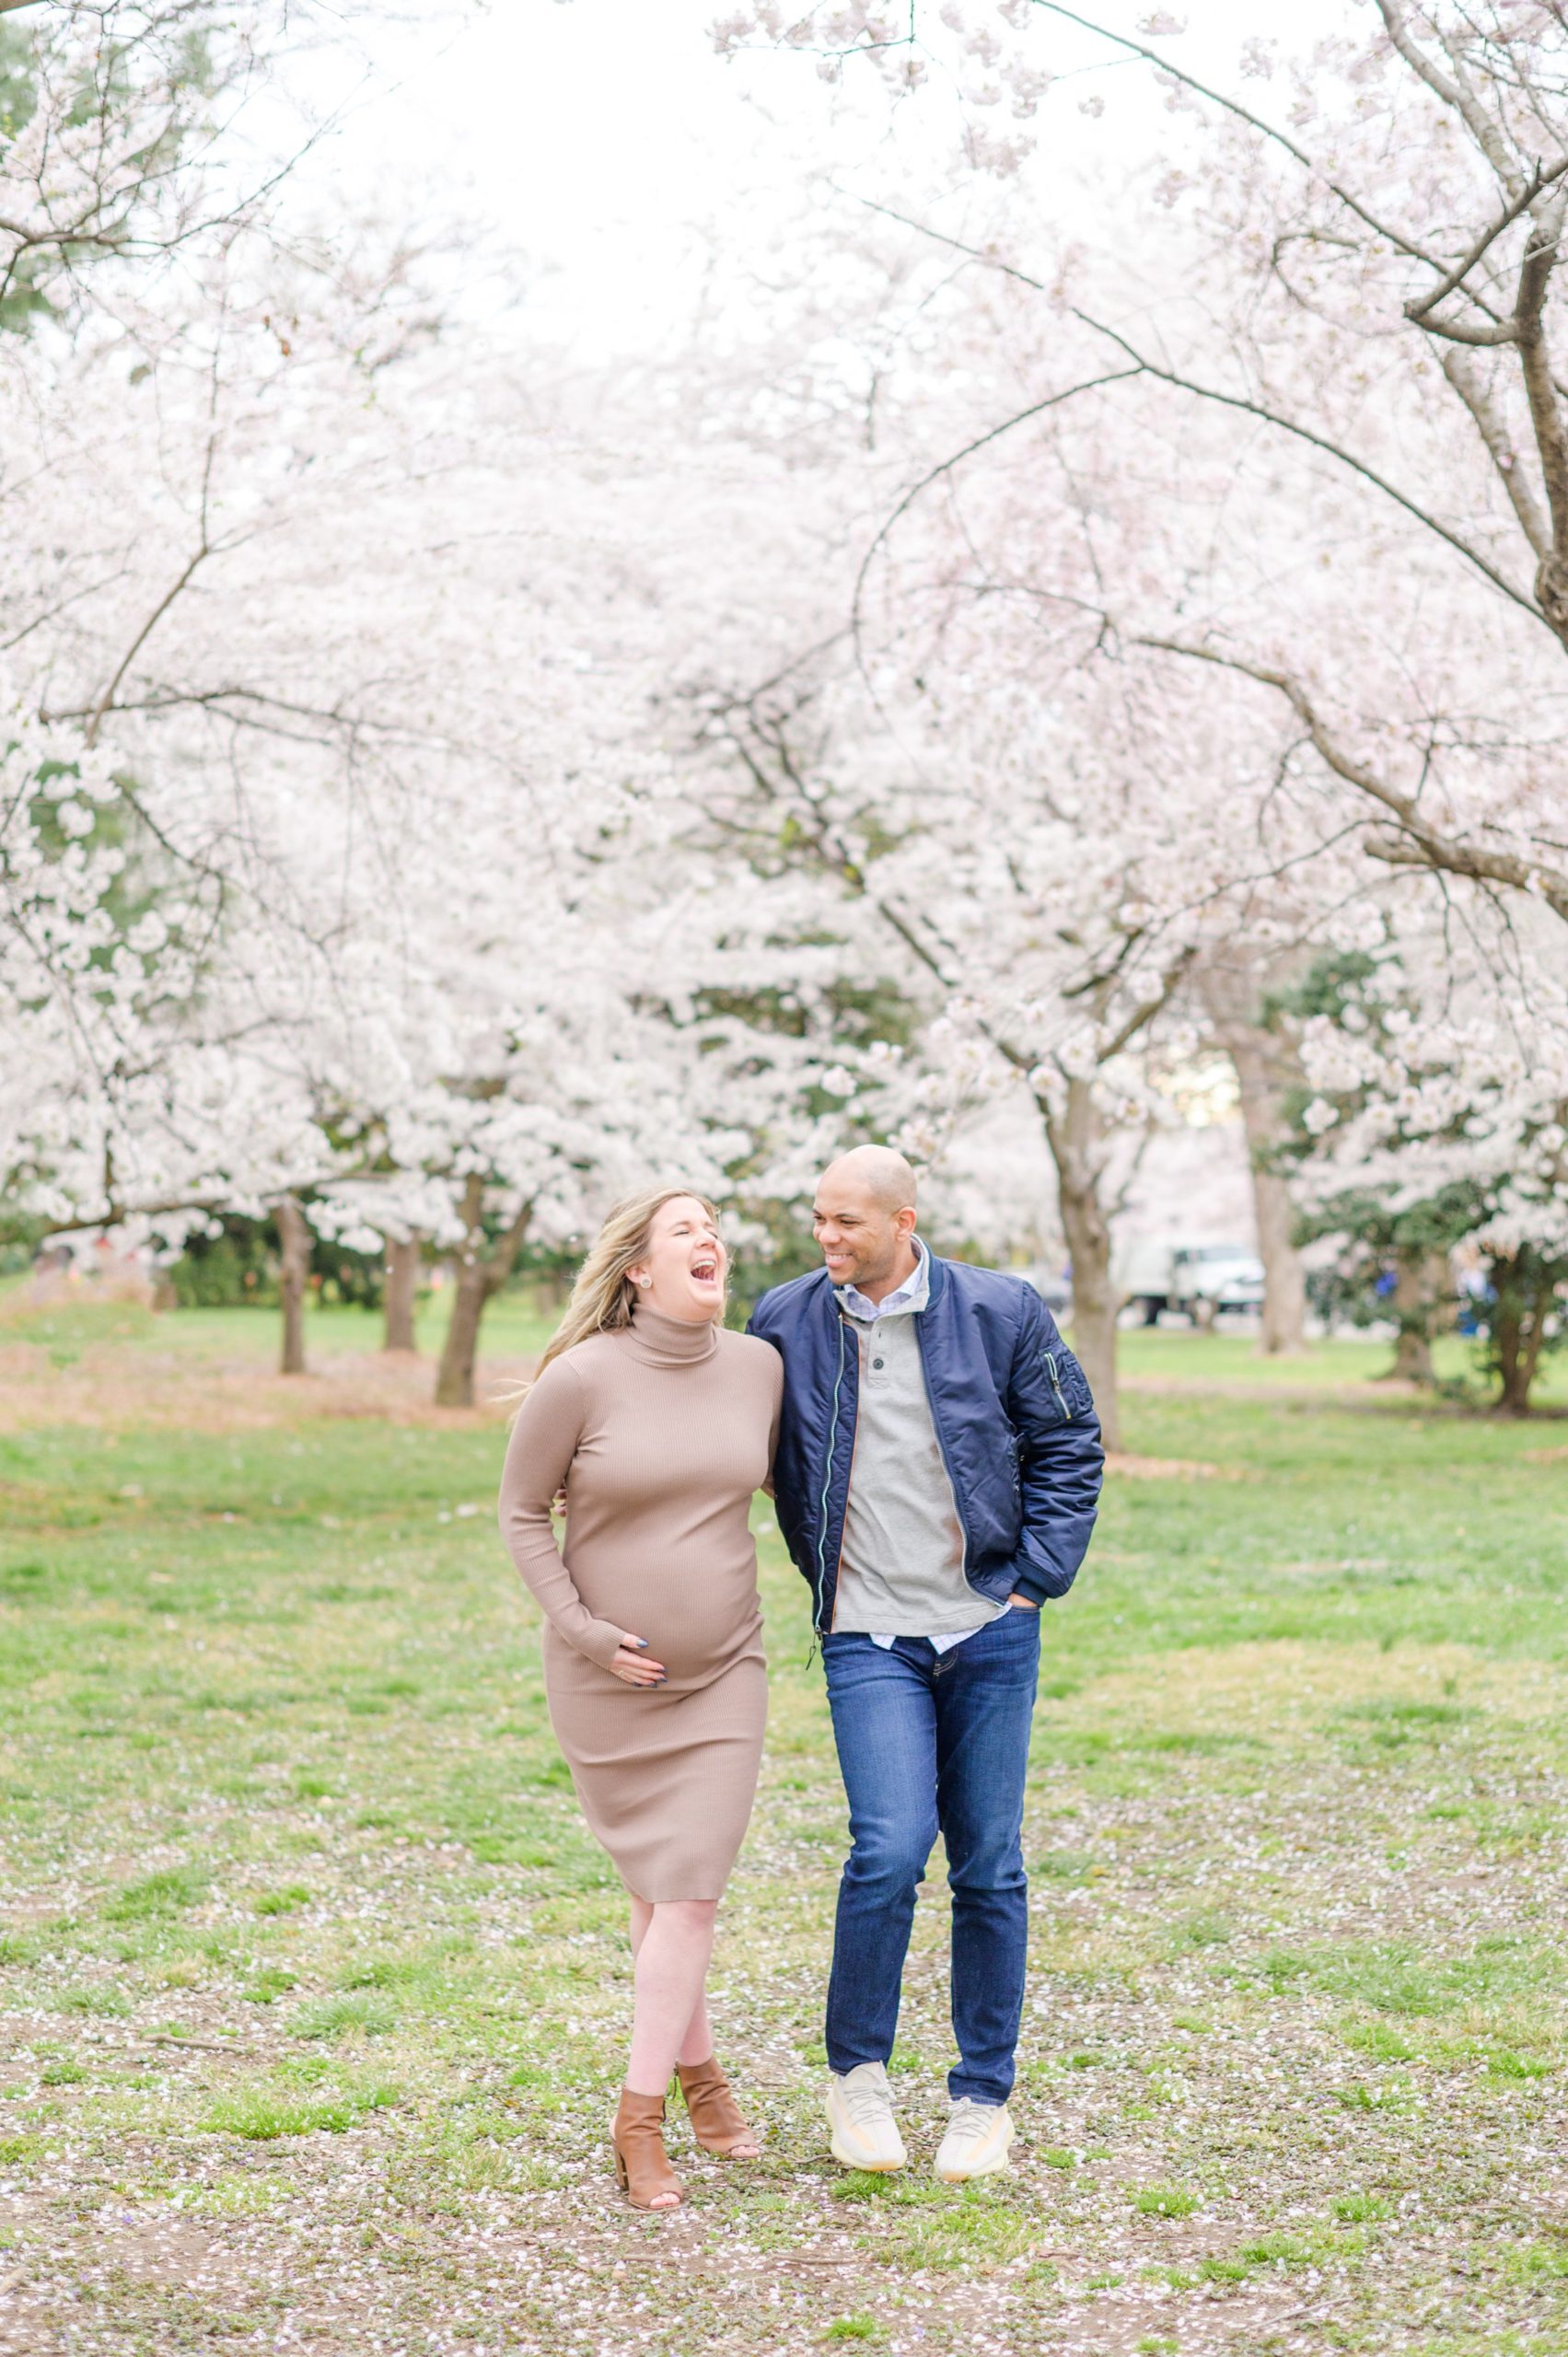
(932, 1743)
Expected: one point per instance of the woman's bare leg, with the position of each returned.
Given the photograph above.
(697, 2038)
(681, 1931)
(671, 1966)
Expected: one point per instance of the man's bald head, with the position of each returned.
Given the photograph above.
(863, 1219)
(886, 1177)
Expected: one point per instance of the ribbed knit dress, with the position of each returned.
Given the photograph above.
(660, 1434)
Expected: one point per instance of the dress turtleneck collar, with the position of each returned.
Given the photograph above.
(659, 1340)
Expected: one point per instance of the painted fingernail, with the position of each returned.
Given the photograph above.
(642, 1644)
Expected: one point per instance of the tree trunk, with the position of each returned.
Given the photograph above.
(294, 1236)
(1264, 1070)
(1416, 1287)
(454, 1377)
(1518, 1330)
(478, 1280)
(1074, 1135)
(403, 1279)
(1507, 1343)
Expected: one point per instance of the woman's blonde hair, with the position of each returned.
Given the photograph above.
(604, 1295)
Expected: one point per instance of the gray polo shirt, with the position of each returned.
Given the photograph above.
(902, 1573)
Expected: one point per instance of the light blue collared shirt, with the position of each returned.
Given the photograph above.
(914, 1293)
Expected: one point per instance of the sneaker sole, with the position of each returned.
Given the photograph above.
(849, 2160)
(998, 2165)
(869, 2168)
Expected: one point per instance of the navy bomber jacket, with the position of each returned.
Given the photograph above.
(1014, 1419)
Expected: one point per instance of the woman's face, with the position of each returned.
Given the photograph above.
(684, 1263)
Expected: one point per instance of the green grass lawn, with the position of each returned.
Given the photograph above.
(66, 1327)
(314, 1988)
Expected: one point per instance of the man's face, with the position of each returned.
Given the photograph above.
(860, 1240)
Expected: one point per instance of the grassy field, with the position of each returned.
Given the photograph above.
(313, 1987)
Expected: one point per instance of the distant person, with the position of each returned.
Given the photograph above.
(660, 1427)
(936, 1479)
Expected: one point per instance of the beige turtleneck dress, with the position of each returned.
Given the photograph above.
(660, 1434)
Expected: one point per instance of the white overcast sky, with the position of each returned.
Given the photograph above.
(599, 134)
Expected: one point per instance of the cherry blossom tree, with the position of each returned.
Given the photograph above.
(1034, 868)
(1359, 284)
(1325, 469)
(1420, 1140)
(128, 139)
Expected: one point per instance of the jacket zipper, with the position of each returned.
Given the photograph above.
(838, 1563)
(822, 1508)
(1050, 1368)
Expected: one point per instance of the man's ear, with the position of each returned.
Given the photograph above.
(904, 1221)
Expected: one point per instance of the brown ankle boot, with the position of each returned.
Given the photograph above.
(641, 2164)
(717, 2123)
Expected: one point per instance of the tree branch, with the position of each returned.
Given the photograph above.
(1331, 449)
(1427, 846)
(1254, 122)
(1539, 178)
(947, 466)
(1535, 361)
(1494, 431)
(1454, 93)
(1146, 367)
(105, 703)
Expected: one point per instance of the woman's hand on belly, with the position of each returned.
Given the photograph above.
(633, 1666)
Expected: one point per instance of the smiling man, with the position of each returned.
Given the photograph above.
(937, 1480)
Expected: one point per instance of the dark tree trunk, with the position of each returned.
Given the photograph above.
(1518, 1331)
(403, 1279)
(1513, 1398)
(294, 1236)
(1419, 1277)
(479, 1280)
(1264, 1065)
(460, 1352)
(1074, 1135)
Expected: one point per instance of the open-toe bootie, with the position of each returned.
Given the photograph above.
(641, 2164)
(717, 2121)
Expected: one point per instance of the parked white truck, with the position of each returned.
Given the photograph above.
(1202, 1281)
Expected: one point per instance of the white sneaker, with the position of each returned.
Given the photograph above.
(976, 2143)
(860, 2113)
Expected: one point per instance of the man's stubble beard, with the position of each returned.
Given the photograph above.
(867, 1271)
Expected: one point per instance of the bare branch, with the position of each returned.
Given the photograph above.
(1255, 122)
(1461, 331)
(1540, 259)
(945, 467)
(1331, 449)
(1428, 845)
(105, 702)
(1143, 1014)
(1494, 431)
(1540, 177)
(1454, 92)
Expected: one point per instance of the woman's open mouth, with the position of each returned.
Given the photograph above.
(705, 1273)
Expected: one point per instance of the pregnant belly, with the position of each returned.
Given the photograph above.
(695, 1622)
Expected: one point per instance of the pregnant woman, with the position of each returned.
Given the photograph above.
(660, 1425)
